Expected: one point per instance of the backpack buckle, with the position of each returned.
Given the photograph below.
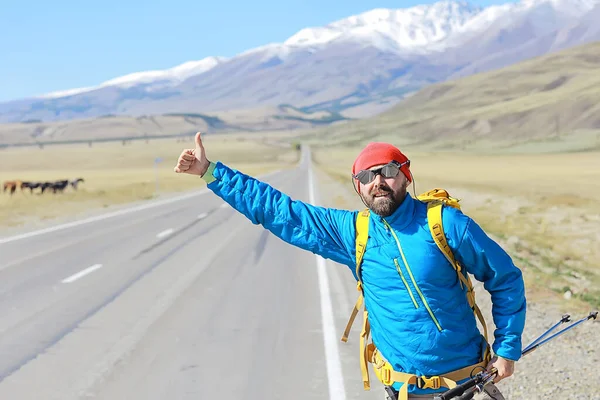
(386, 374)
(433, 382)
(359, 286)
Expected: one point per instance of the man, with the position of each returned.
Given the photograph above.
(420, 321)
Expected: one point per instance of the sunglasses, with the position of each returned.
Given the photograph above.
(389, 170)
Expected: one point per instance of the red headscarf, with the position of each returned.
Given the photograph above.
(377, 153)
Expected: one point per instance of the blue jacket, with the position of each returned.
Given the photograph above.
(420, 319)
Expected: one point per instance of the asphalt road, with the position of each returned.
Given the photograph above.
(183, 299)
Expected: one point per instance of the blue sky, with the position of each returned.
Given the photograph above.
(50, 45)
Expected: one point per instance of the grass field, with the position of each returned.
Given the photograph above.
(540, 207)
(262, 119)
(116, 174)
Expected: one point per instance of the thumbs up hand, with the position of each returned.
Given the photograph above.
(193, 161)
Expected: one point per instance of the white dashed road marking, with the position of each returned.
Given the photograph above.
(165, 233)
(81, 274)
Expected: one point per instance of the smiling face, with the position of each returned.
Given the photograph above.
(383, 196)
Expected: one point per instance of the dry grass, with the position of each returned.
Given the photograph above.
(264, 119)
(540, 207)
(117, 174)
(552, 101)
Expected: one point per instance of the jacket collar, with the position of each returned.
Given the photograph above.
(403, 215)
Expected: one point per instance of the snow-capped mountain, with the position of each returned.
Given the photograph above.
(503, 35)
(514, 24)
(375, 56)
(169, 76)
(413, 29)
(401, 30)
(586, 29)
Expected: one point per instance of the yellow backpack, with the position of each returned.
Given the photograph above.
(368, 353)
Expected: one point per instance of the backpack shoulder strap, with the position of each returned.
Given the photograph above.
(362, 235)
(434, 217)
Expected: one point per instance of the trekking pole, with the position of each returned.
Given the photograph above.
(488, 377)
(565, 318)
(470, 393)
(533, 347)
(469, 386)
(468, 389)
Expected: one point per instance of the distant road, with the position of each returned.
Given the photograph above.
(183, 300)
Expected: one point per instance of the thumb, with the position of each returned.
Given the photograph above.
(199, 146)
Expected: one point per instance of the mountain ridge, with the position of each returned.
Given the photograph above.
(551, 102)
(351, 62)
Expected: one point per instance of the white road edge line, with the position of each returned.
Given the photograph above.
(164, 233)
(81, 274)
(100, 217)
(334, 366)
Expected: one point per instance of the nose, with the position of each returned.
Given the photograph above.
(377, 180)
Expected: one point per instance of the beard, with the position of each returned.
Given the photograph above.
(386, 205)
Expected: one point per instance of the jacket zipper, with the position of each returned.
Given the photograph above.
(412, 278)
(405, 283)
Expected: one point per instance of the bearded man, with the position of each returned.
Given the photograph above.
(422, 325)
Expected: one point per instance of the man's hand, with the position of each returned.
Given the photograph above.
(504, 367)
(193, 161)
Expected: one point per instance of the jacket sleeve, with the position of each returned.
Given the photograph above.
(327, 232)
(490, 264)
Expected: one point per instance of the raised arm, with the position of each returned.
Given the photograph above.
(324, 231)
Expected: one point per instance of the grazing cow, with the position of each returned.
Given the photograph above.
(30, 186)
(75, 182)
(59, 186)
(55, 186)
(45, 185)
(12, 186)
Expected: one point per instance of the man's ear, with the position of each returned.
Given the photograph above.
(356, 185)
